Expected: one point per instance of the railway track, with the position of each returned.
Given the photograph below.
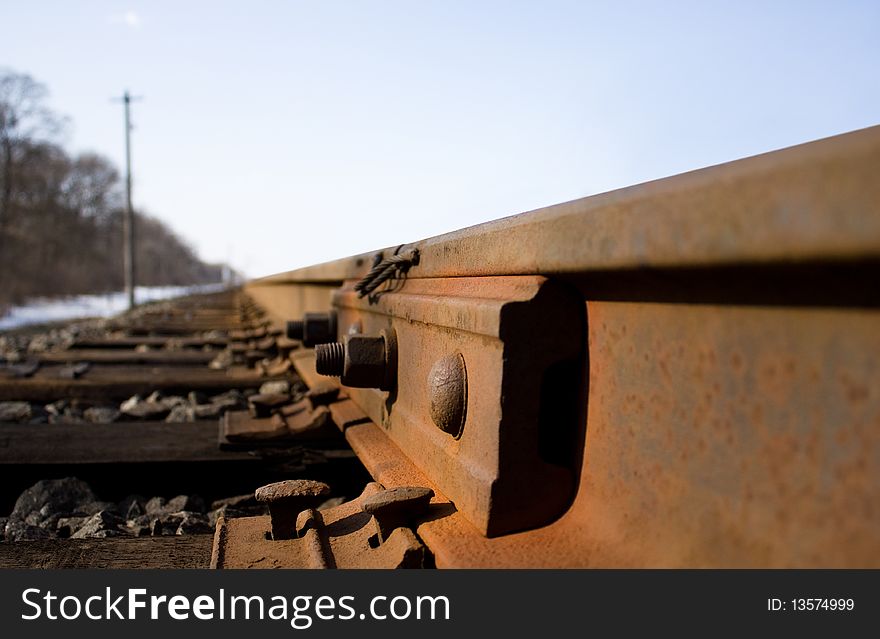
(681, 373)
(124, 415)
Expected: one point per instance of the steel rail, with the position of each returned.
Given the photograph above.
(729, 413)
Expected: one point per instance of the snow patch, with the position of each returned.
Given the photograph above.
(41, 309)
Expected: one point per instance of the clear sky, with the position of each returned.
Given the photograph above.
(281, 134)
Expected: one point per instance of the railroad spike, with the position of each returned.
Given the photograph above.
(286, 499)
(396, 507)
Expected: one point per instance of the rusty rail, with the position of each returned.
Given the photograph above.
(679, 373)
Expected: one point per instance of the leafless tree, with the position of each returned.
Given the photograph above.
(24, 120)
(92, 186)
(61, 216)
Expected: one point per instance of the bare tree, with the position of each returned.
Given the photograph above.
(24, 120)
(92, 186)
(61, 216)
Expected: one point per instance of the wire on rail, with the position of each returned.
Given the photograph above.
(383, 270)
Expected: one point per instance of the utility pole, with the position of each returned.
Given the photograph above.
(128, 221)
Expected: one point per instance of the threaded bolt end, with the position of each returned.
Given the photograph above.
(295, 329)
(330, 359)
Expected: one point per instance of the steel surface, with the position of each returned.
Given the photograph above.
(504, 470)
(731, 412)
(817, 200)
(715, 436)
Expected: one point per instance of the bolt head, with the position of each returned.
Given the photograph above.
(447, 388)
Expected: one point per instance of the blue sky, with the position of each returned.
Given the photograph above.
(281, 134)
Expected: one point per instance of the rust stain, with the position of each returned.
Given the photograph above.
(754, 464)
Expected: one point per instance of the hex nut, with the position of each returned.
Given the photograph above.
(319, 328)
(313, 328)
(366, 359)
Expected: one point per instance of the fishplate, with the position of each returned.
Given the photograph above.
(480, 387)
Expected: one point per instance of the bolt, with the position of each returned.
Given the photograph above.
(313, 328)
(330, 359)
(361, 361)
(286, 499)
(319, 328)
(294, 329)
(447, 388)
(396, 507)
